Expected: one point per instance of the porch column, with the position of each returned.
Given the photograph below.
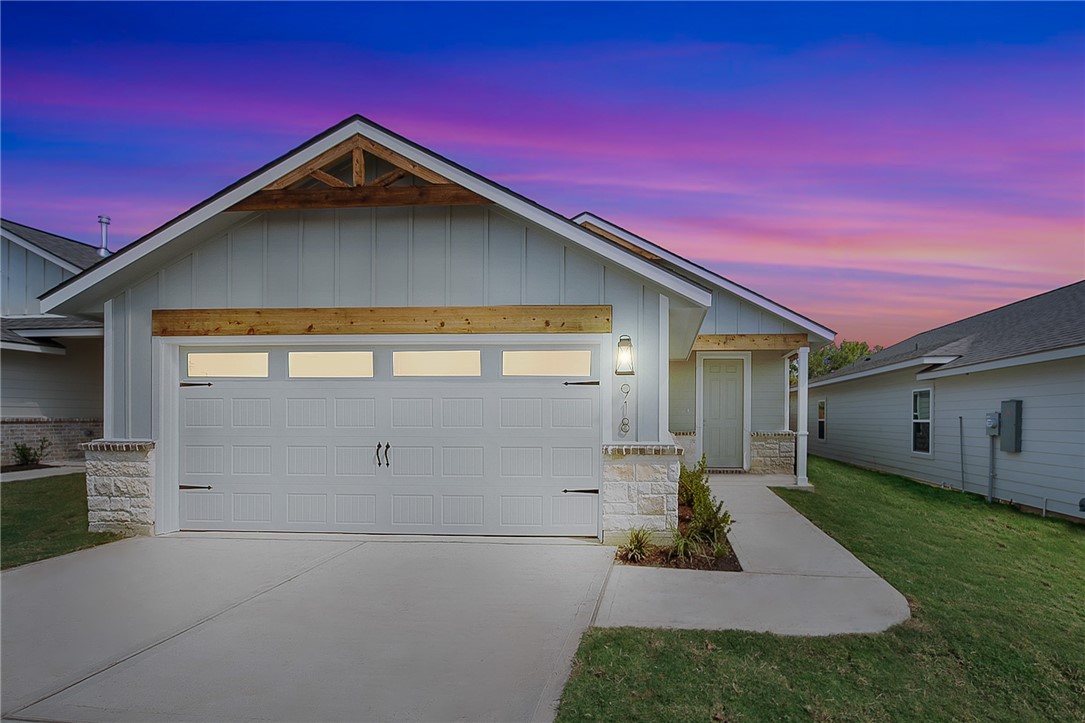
(803, 421)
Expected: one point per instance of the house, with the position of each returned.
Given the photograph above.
(50, 365)
(993, 404)
(364, 336)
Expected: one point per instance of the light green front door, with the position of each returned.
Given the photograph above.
(723, 414)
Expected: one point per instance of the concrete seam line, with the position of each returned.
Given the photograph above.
(322, 561)
(555, 682)
(602, 594)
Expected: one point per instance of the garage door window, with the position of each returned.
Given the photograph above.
(228, 364)
(550, 363)
(458, 363)
(330, 364)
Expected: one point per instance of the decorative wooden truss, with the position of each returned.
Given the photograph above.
(298, 190)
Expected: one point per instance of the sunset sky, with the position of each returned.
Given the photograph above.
(881, 168)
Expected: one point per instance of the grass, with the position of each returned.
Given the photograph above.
(997, 633)
(44, 518)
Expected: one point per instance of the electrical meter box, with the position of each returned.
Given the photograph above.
(992, 424)
(1011, 426)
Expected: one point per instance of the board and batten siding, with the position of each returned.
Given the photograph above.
(868, 423)
(767, 393)
(731, 315)
(57, 386)
(365, 257)
(26, 276)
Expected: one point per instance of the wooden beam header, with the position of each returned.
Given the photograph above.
(383, 320)
(359, 196)
(749, 342)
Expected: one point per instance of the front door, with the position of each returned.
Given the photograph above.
(723, 413)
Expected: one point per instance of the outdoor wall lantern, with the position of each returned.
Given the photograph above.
(625, 356)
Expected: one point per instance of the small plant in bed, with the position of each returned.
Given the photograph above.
(29, 457)
(699, 542)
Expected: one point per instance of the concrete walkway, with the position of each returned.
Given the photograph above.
(796, 580)
(62, 469)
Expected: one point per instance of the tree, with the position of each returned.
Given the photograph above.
(830, 357)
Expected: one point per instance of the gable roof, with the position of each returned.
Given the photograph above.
(74, 253)
(92, 287)
(1047, 322)
(697, 273)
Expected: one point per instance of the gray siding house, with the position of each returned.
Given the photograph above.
(920, 408)
(365, 336)
(50, 364)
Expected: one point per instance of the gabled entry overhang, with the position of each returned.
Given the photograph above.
(85, 293)
(663, 257)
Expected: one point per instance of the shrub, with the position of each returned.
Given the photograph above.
(25, 454)
(639, 546)
(683, 547)
(710, 522)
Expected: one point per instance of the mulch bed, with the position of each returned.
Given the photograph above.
(23, 467)
(659, 558)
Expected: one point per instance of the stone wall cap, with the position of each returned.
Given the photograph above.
(781, 433)
(48, 420)
(647, 449)
(120, 445)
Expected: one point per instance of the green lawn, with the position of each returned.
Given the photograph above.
(44, 518)
(997, 633)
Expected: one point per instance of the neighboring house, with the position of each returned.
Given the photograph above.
(364, 336)
(50, 365)
(919, 408)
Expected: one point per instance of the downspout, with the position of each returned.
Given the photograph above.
(991, 472)
(960, 428)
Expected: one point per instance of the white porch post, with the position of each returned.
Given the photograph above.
(803, 421)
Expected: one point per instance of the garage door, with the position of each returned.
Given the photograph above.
(473, 440)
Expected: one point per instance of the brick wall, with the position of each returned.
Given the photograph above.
(65, 435)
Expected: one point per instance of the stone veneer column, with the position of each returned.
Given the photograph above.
(120, 486)
(640, 489)
(772, 453)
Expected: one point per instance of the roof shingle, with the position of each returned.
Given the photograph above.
(1052, 320)
(74, 252)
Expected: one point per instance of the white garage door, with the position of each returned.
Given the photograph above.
(473, 440)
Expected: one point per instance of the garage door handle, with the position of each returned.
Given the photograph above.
(194, 487)
(386, 448)
(379, 455)
(581, 384)
(195, 384)
(585, 492)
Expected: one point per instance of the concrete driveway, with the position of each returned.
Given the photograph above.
(319, 628)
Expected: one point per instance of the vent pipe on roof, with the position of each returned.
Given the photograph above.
(103, 221)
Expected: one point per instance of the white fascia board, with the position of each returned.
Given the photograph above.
(32, 348)
(76, 332)
(908, 364)
(1037, 358)
(35, 249)
(709, 276)
(547, 219)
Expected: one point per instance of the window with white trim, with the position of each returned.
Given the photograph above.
(921, 420)
(821, 419)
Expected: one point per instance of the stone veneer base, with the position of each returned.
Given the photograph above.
(772, 453)
(640, 489)
(120, 486)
